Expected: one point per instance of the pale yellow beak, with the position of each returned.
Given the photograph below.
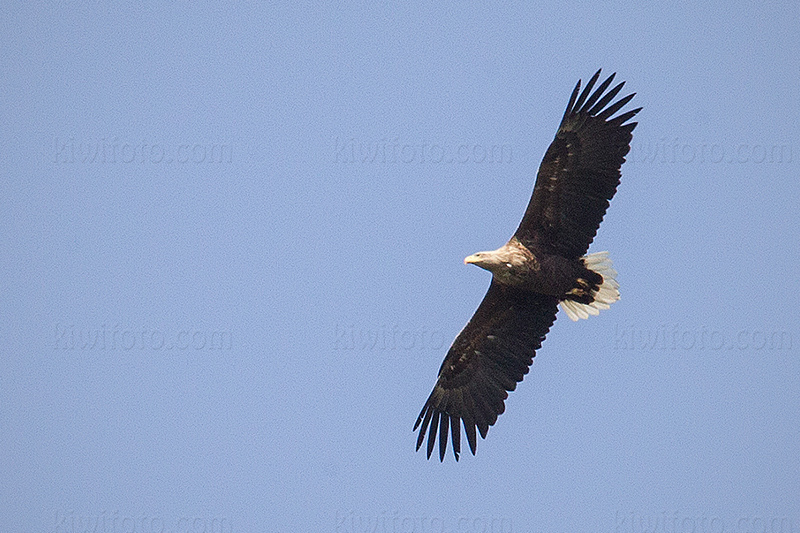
(471, 259)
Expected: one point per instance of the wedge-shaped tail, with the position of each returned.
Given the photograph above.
(607, 294)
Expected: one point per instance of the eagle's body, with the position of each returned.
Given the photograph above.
(542, 265)
(532, 269)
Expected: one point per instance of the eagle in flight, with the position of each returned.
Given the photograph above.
(541, 266)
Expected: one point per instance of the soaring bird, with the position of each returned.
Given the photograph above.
(544, 264)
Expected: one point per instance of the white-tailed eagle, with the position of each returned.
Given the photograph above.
(542, 265)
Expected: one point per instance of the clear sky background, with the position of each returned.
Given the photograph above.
(231, 244)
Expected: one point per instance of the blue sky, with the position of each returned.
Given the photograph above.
(232, 240)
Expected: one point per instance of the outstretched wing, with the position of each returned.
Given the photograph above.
(580, 171)
(488, 358)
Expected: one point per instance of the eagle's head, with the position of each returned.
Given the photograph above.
(507, 260)
(490, 261)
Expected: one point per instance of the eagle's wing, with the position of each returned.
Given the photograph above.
(580, 171)
(488, 358)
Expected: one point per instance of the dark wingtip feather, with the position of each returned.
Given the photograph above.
(599, 92)
(616, 106)
(455, 434)
(472, 438)
(445, 420)
(421, 437)
(606, 99)
(419, 418)
(572, 98)
(618, 121)
(432, 432)
(587, 90)
(483, 429)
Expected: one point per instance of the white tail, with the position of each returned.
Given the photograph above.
(607, 294)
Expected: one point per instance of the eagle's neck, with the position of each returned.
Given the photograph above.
(514, 263)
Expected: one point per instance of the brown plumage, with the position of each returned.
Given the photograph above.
(541, 265)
